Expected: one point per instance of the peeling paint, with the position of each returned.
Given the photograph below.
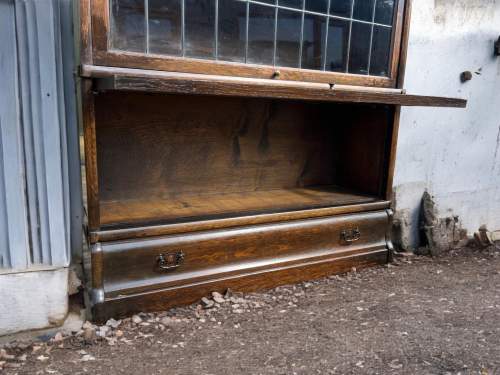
(465, 11)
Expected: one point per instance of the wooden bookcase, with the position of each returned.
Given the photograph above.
(204, 175)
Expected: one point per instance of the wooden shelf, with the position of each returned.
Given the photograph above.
(184, 207)
(125, 79)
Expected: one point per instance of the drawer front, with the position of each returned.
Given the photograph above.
(145, 264)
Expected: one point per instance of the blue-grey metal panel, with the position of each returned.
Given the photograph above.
(48, 102)
(74, 175)
(40, 193)
(14, 244)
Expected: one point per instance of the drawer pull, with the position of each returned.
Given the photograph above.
(170, 260)
(349, 236)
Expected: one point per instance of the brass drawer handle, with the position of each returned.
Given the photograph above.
(170, 260)
(349, 236)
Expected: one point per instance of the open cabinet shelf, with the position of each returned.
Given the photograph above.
(199, 157)
(188, 207)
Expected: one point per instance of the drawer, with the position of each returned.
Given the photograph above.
(129, 267)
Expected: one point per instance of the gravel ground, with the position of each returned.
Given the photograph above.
(417, 316)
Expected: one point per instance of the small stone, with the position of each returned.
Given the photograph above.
(207, 303)
(136, 319)
(42, 358)
(87, 357)
(58, 337)
(5, 355)
(118, 333)
(22, 358)
(238, 301)
(228, 294)
(395, 365)
(113, 323)
(87, 324)
(22, 345)
(36, 348)
(103, 331)
(238, 311)
(89, 334)
(217, 297)
(167, 321)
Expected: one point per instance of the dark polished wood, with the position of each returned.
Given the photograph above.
(104, 56)
(232, 157)
(404, 44)
(108, 234)
(90, 144)
(85, 32)
(203, 175)
(131, 267)
(123, 79)
(162, 299)
(187, 207)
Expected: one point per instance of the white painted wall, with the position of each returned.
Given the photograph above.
(453, 153)
(33, 300)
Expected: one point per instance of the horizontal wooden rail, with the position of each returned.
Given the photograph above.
(124, 79)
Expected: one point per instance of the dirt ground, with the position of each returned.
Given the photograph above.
(417, 316)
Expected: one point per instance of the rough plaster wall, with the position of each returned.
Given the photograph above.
(32, 300)
(453, 153)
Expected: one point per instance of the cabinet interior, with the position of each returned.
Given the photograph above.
(177, 158)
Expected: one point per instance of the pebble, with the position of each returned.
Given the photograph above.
(42, 358)
(207, 303)
(238, 300)
(113, 323)
(87, 324)
(5, 355)
(87, 357)
(89, 334)
(136, 319)
(217, 297)
(167, 321)
(103, 331)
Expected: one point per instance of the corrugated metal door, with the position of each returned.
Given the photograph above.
(40, 194)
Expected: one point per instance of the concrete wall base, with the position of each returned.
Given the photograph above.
(33, 300)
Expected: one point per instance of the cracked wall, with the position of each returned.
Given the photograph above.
(451, 153)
